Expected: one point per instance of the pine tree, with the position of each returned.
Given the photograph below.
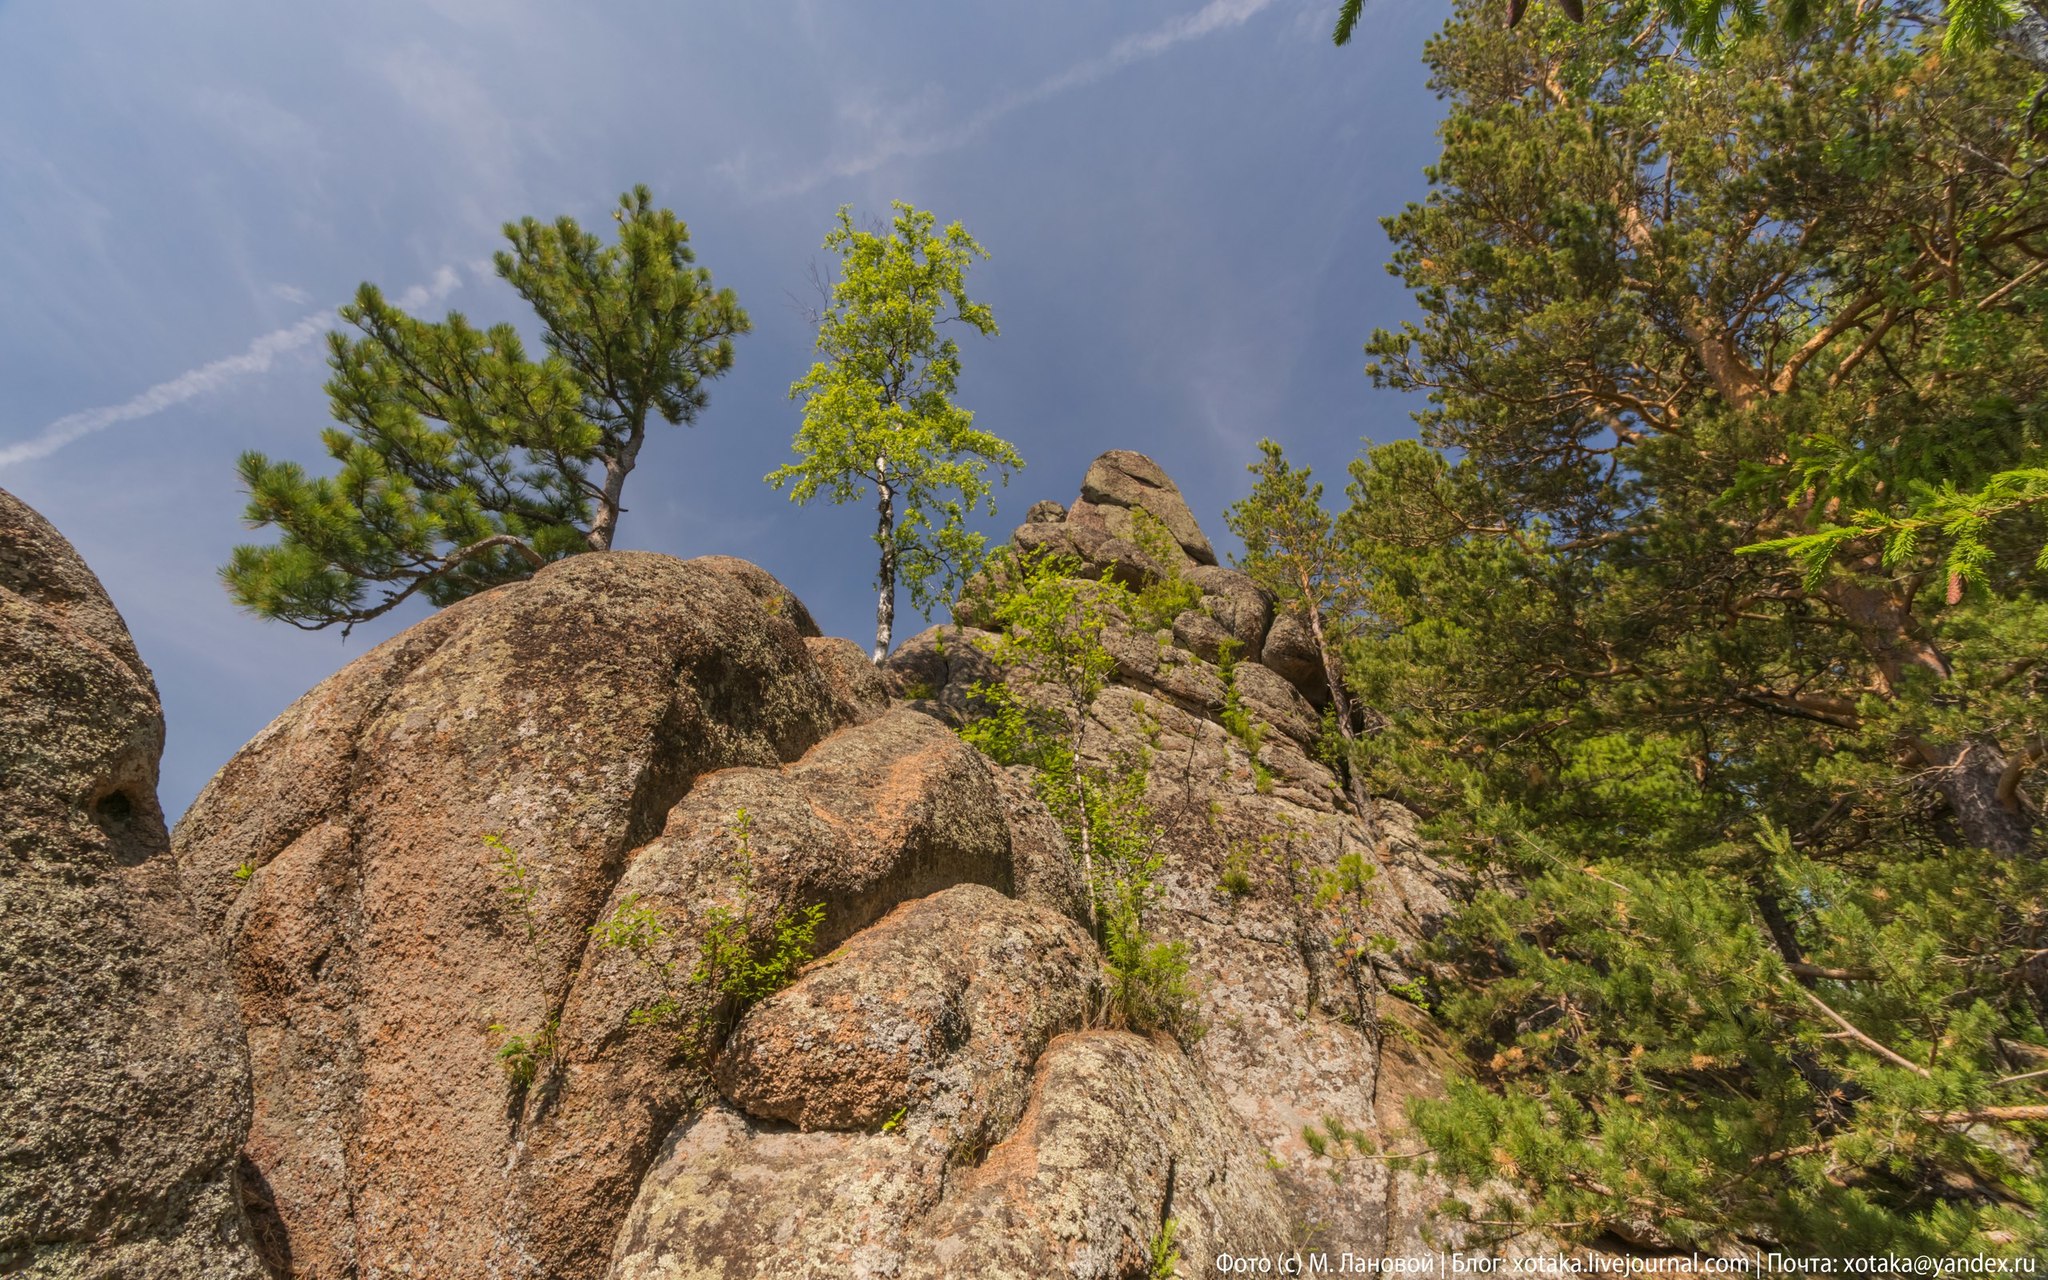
(1292, 548)
(465, 462)
(1760, 955)
(878, 409)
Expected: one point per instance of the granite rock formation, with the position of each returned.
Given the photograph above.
(124, 1092)
(428, 958)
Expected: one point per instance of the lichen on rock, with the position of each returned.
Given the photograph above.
(124, 1095)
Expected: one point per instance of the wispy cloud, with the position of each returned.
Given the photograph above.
(216, 376)
(1215, 16)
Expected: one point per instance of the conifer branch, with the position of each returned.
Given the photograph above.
(1850, 1031)
(448, 565)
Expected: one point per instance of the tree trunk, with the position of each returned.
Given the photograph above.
(1968, 778)
(1087, 842)
(885, 534)
(1967, 773)
(604, 524)
(1340, 703)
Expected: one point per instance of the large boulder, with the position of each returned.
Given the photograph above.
(124, 1094)
(1102, 529)
(941, 1008)
(1240, 606)
(875, 815)
(1291, 652)
(1121, 482)
(1124, 1141)
(341, 857)
(1099, 550)
(936, 671)
(937, 1133)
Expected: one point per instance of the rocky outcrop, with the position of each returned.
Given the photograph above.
(446, 972)
(1120, 483)
(1294, 1035)
(1290, 651)
(1101, 528)
(1124, 1145)
(124, 1095)
(951, 1116)
(450, 1076)
(943, 1006)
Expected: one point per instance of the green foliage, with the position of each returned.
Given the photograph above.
(1053, 662)
(1344, 892)
(1647, 1052)
(744, 953)
(878, 409)
(1150, 988)
(524, 1056)
(465, 462)
(1561, 621)
(245, 870)
(1961, 519)
(1292, 546)
(1299, 552)
(1237, 879)
(516, 880)
(1412, 991)
(1162, 1256)
(1156, 604)
(1764, 958)
(1049, 624)
(1971, 24)
(1237, 719)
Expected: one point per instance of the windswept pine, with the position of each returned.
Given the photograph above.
(465, 462)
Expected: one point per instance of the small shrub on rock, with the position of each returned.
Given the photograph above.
(745, 954)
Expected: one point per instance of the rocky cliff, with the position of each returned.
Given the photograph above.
(468, 899)
(124, 1092)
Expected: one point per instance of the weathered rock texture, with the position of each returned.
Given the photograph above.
(1101, 529)
(951, 1118)
(1294, 1037)
(453, 1074)
(124, 1094)
(609, 718)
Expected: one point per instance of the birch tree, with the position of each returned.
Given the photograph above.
(878, 411)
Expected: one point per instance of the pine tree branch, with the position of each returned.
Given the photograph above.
(1845, 319)
(1978, 1115)
(448, 564)
(1849, 1030)
(1991, 299)
(1804, 970)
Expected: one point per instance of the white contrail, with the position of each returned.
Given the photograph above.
(258, 358)
(1214, 16)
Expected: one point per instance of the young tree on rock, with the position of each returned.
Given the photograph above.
(466, 463)
(1051, 648)
(878, 409)
(1292, 548)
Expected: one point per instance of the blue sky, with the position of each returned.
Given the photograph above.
(1180, 198)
